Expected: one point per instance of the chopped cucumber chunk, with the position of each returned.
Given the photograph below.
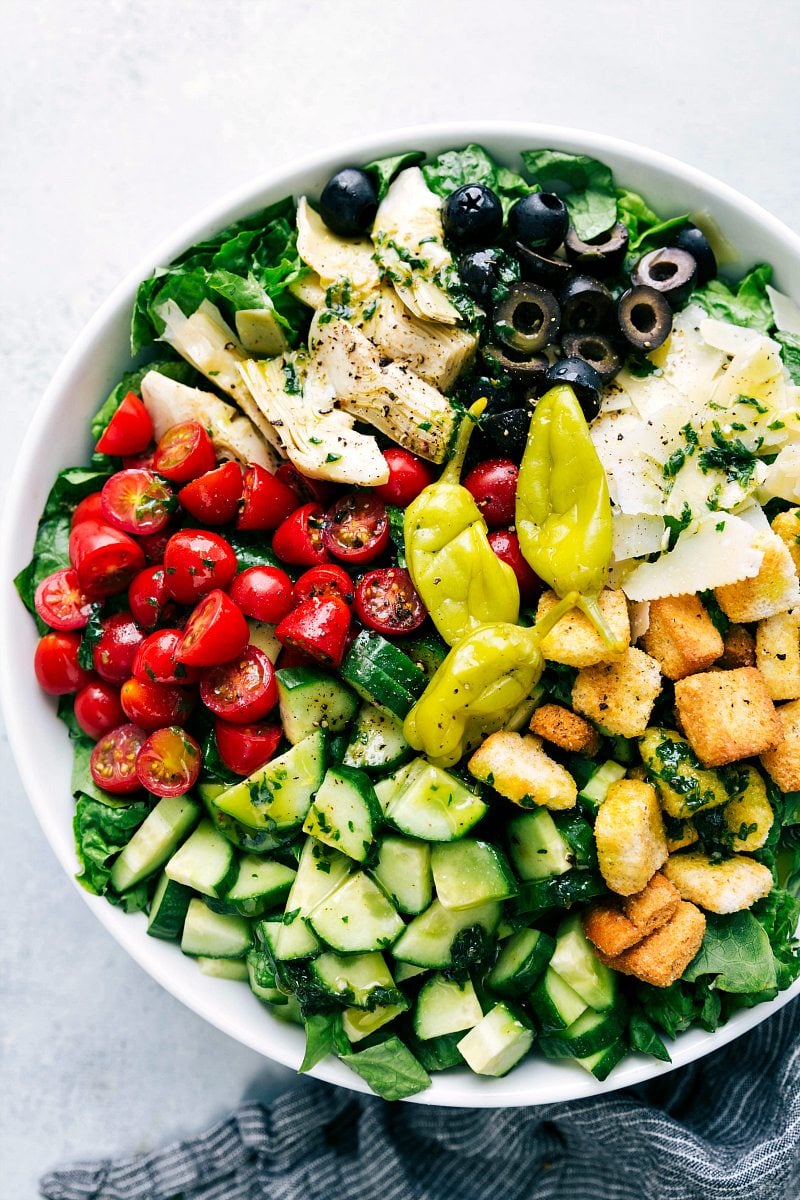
(403, 869)
(311, 700)
(278, 796)
(538, 850)
(345, 813)
(469, 873)
(376, 742)
(428, 941)
(154, 841)
(356, 917)
(497, 1043)
(207, 934)
(319, 872)
(206, 862)
(432, 804)
(446, 1006)
(575, 960)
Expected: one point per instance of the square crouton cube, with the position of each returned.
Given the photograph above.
(782, 763)
(727, 715)
(787, 527)
(629, 835)
(619, 696)
(574, 641)
(778, 654)
(681, 636)
(720, 887)
(662, 957)
(774, 589)
(565, 729)
(518, 768)
(616, 927)
(739, 648)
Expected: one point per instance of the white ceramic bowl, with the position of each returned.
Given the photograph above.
(58, 437)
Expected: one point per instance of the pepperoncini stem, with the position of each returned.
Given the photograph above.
(452, 471)
(551, 619)
(591, 609)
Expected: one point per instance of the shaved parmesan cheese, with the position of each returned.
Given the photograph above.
(783, 477)
(726, 337)
(639, 612)
(785, 311)
(708, 558)
(636, 535)
(688, 362)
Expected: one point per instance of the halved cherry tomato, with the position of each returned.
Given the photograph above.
(318, 627)
(60, 602)
(184, 452)
(493, 484)
(243, 690)
(215, 632)
(155, 660)
(408, 476)
(505, 544)
(137, 501)
(298, 539)
(129, 430)
(214, 497)
(152, 705)
(113, 760)
(148, 598)
(329, 579)
(304, 488)
(97, 709)
(168, 763)
(105, 558)
(197, 561)
(264, 593)
(90, 508)
(386, 600)
(245, 748)
(137, 461)
(266, 501)
(116, 647)
(55, 662)
(290, 656)
(356, 527)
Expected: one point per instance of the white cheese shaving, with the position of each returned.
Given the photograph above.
(719, 552)
(639, 611)
(784, 310)
(636, 535)
(783, 476)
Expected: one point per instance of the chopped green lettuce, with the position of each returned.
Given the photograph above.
(747, 305)
(790, 353)
(585, 185)
(736, 951)
(383, 170)
(100, 833)
(472, 164)
(643, 225)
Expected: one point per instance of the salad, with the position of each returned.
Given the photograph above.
(426, 621)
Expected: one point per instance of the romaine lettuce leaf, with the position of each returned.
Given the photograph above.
(454, 168)
(642, 223)
(383, 170)
(736, 951)
(790, 353)
(748, 305)
(585, 185)
(100, 833)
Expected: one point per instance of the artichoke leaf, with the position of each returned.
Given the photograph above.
(437, 353)
(334, 259)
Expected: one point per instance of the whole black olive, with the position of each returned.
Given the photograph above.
(596, 349)
(528, 318)
(472, 215)
(669, 270)
(601, 255)
(645, 317)
(497, 393)
(584, 381)
(521, 369)
(508, 431)
(349, 202)
(539, 221)
(538, 268)
(586, 304)
(695, 241)
(480, 273)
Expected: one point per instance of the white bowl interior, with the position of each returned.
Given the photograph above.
(58, 437)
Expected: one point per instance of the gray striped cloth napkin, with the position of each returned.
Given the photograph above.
(726, 1128)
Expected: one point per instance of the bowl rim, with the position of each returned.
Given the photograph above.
(445, 1089)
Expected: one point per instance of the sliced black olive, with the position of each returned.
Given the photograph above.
(601, 255)
(595, 349)
(528, 318)
(538, 268)
(695, 241)
(348, 202)
(472, 215)
(584, 381)
(539, 221)
(645, 317)
(586, 304)
(517, 366)
(669, 270)
(508, 431)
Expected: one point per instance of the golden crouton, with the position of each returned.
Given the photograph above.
(565, 729)
(574, 640)
(607, 928)
(619, 696)
(687, 837)
(782, 763)
(739, 648)
(630, 838)
(787, 527)
(774, 589)
(727, 715)
(518, 768)
(681, 636)
(778, 654)
(720, 887)
(662, 957)
(749, 816)
(614, 927)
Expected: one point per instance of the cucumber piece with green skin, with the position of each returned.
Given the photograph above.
(446, 1006)
(539, 896)
(207, 934)
(357, 917)
(382, 674)
(427, 651)
(404, 971)
(362, 980)
(262, 981)
(538, 851)
(469, 873)
(223, 968)
(376, 741)
(319, 872)
(262, 635)
(521, 963)
(359, 1023)
(555, 1003)
(258, 841)
(260, 884)
(277, 797)
(345, 812)
(432, 804)
(310, 700)
(386, 788)
(595, 790)
(497, 1042)
(206, 862)
(574, 959)
(603, 1062)
(168, 909)
(590, 1032)
(156, 839)
(403, 870)
(428, 940)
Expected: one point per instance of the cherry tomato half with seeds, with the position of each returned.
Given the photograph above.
(408, 476)
(152, 705)
(327, 580)
(266, 500)
(299, 539)
(130, 429)
(263, 593)
(243, 690)
(505, 544)
(56, 665)
(493, 485)
(113, 760)
(137, 501)
(60, 602)
(116, 647)
(215, 632)
(155, 660)
(105, 558)
(213, 498)
(245, 748)
(319, 627)
(90, 508)
(168, 763)
(196, 561)
(387, 601)
(97, 709)
(184, 451)
(356, 527)
(148, 598)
